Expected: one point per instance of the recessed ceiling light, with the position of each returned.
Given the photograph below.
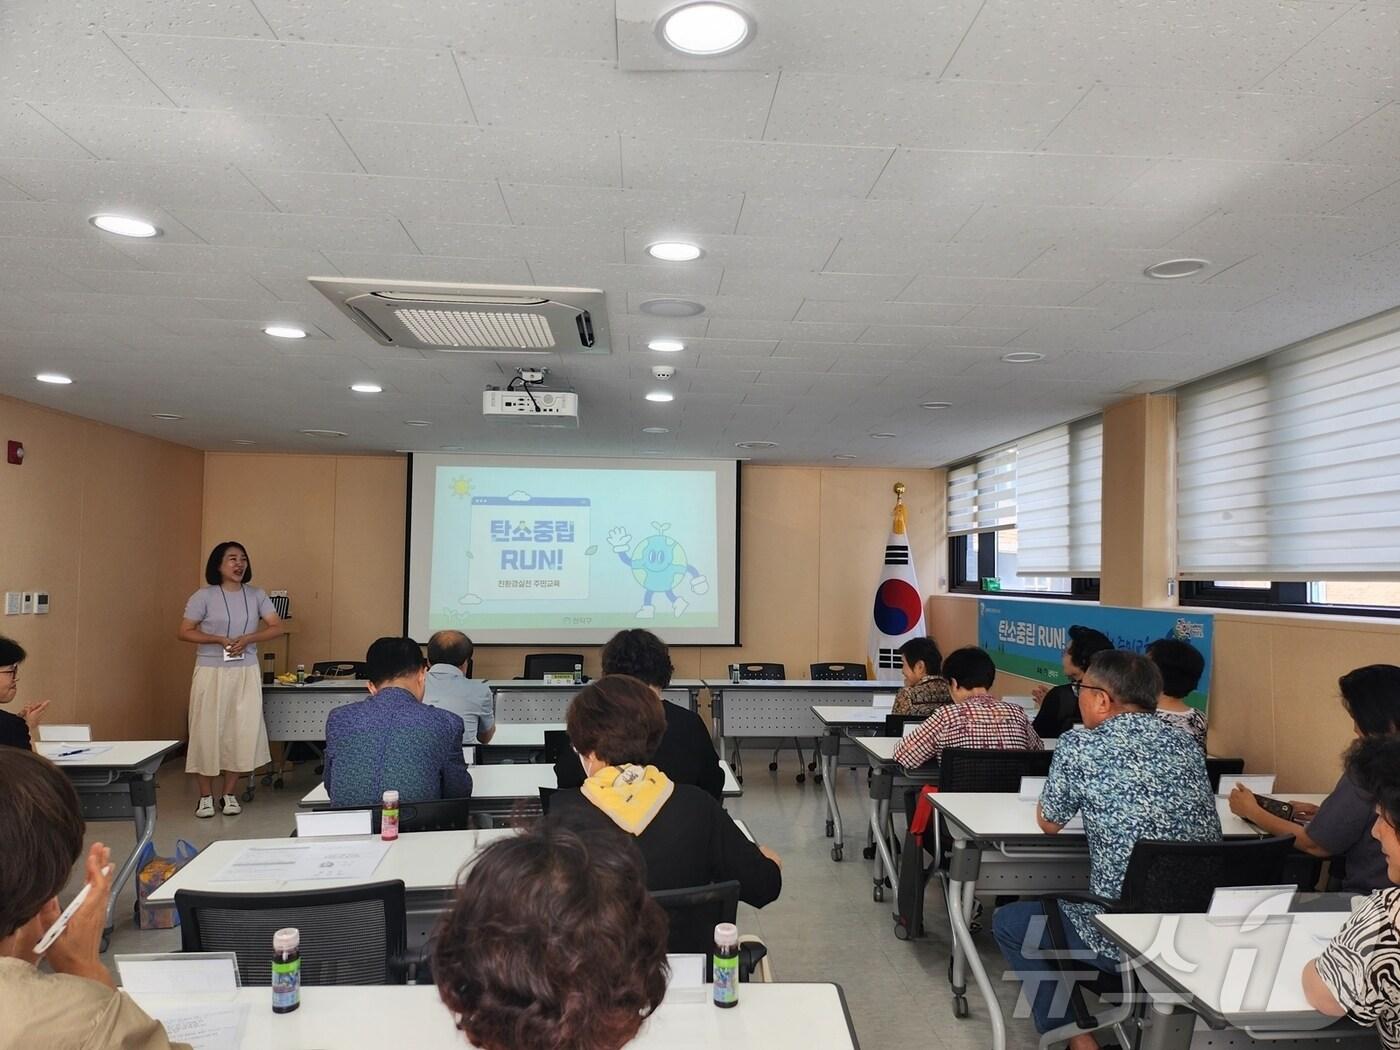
(755, 444)
(417, 423)
(285, 331)
(883, 434)
(324, 433)
(367, 388)
(674, 251)
(660, 396)
(936, 404)
(671, 308)
(57, 378)
(125, 226)
(169, 417)
(666, 346)
(1022, 357)
(243, 441)
(1172, 268)
(656, 430)
(843, 455)
(705, 29)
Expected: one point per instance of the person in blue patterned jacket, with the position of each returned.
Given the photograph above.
(392, 741)
(1132, 776)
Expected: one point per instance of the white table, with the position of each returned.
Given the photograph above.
(1000, 831)
(515, 742)
(530, 700)
(1229, 976)
(117, 782)
(499, 788)
(842, 720)
(768, 1017)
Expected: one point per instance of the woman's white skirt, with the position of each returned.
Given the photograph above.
(226, 721)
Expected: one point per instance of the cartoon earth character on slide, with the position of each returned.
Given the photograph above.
(658, 563)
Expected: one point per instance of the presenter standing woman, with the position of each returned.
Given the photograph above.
(226, 620)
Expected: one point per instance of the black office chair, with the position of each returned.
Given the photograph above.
(838, 672)
(694, 912)
(1166, 878)
(556, 744)
(758, 671)
(537, 665)
(762, 672)
(349, 935)
(1216, 768)
(443, 814)
(339, 669)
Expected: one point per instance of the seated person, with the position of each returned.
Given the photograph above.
(77, 1006)
(1182, 665)
(1355, 974)
(686, 837)
(450, 687)
(16, 730)
(1341, 825)
(975, 718)
(686, 753)
(924, 688)
(392, 741)
(553, 942)
(1059, 707)
(1133, 777)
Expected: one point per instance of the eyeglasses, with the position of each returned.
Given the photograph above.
(12, 671)
(1081, 685)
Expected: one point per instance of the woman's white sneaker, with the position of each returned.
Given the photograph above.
(205, 807)
(231, 806)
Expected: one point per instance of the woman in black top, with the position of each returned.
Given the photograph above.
(686, 838)
(686, 753)
(1059, 707)
(16, 730)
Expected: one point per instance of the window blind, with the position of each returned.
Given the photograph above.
(1059, 483)
(1288, 468)
(982, 494)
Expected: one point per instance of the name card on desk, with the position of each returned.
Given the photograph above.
(1251, 902)
(687, 983)
(1259, 783)
(183, 973)
(882, 701)
(1031, 788)
(909, 727)
(313, 824)
(65, 732)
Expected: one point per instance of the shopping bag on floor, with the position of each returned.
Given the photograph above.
(151, 872)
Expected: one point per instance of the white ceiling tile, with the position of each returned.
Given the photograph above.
(1169, 295)
(1153, 328)
(270, 229)
(290, 77)
(751, 167)
(171, 285)
(111, 186)
(596, 96)
(24, 132)
(1196, 185)
(1047, 225)
(901, 313)
(807, 253)
(676, 214)
(850, 216)
(459, 151)
(581, 29)
(205, 258)
(938, 114)
(1163, 122)
(226, 18)
(1354, 55)
(945, 335)
(1226, 44)
(39, 278)
(196, 136)
(618, 279)
(349, 193)
(568, 244)
(43, 60)
(1058, 317)
(1319, 234)
(1374, 140)
(430, 268)
(1014, 178)
(1084, 263)
(808, 284)
(732, 328)
(65, 220)
(1012, 292)
(731, 306)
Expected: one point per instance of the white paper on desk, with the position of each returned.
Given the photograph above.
(1031, 788)
(1259, 783)
(70, 752)
(882, 701)
(469, 755)
(193, 973)
(687, 983)
(65, 732)
(311, 860)
(315, 824)
(204, 1027)
(1250, 902)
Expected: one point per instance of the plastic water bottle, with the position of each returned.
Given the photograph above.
(726, 965)
(578, 674)
(301, 674)
(286, 970)
(389, 817)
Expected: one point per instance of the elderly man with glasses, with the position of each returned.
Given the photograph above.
(16, 730)
(1132, 776)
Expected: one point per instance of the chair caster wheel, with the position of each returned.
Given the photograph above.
(830, 829)
(247, 796)
(811, 767)
(878, 893)
(817, 779)
(772, 767)
(267, 779)
(868, 853)
(278, 785)
(901, 932)
(836, 853)
(959, 1006)
(801, 778)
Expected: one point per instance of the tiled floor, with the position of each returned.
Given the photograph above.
(825, 927)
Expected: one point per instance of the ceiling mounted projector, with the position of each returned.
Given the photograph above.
(473, 318)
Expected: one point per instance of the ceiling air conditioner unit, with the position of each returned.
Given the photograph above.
(473, 318)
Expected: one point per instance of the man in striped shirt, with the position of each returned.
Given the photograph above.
(974, 719)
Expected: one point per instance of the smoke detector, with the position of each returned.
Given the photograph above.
(473, 318)
(662, 371)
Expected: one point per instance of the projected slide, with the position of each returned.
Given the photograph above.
(516, 552)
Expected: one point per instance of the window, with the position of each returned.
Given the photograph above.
(1340, 597)
(1024, 519)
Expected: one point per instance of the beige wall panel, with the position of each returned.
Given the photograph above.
(1241, 712)
(367, 552)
